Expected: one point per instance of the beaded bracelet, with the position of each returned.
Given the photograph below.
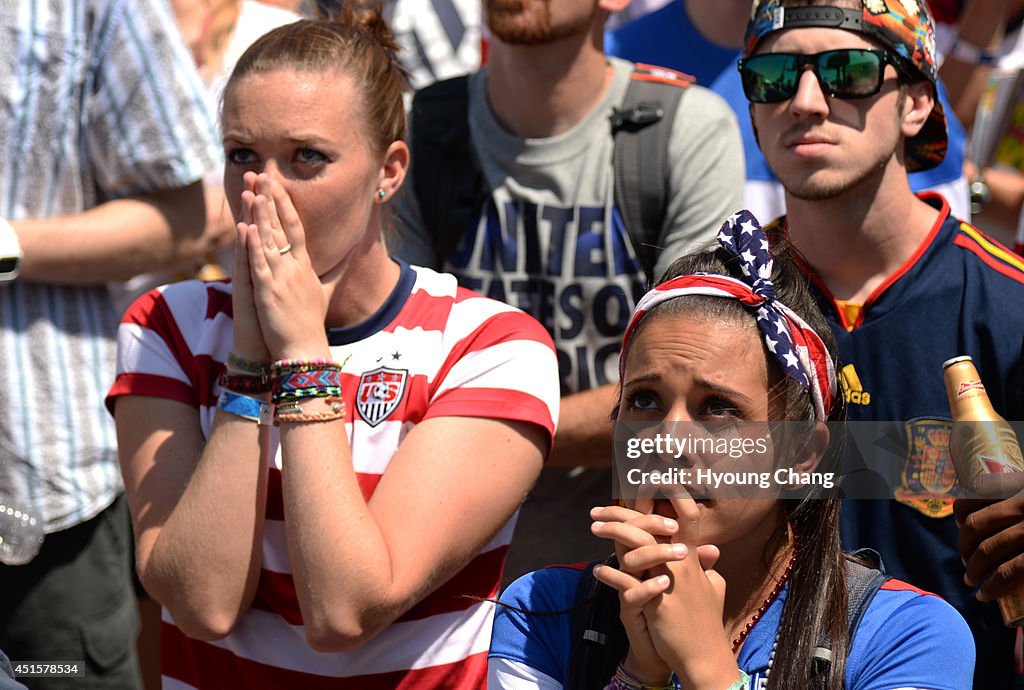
(240, 364)
(293, 366)
(293, 412)
(244, 383)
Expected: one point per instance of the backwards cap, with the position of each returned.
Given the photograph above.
(903, 27)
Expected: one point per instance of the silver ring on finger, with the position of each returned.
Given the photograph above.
(285, 249)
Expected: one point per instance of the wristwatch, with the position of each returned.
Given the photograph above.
(981, 195)
(10, 252)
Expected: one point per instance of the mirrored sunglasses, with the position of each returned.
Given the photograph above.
(847, 73)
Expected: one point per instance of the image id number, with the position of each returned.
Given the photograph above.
(49, 669)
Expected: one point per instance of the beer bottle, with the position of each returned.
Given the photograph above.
(981, 443)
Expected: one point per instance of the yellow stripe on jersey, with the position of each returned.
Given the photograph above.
(992, 249)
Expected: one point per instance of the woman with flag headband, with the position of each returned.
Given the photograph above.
(727, 594)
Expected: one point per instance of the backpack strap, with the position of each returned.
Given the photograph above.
(862, 583)
(641, 127)
(598, 640)
(450, 185)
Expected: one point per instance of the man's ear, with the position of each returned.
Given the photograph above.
(917, 107)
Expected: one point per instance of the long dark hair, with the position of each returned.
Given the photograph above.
(817, 599)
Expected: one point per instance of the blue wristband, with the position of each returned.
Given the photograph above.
(970, 54)
(245, 407)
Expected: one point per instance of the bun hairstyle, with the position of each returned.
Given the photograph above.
(817, 598)
(350, 38)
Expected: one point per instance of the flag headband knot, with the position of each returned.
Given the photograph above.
(794, 344)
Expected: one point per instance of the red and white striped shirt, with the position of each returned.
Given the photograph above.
(433, 349)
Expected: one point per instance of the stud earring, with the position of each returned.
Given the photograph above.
(381, 193)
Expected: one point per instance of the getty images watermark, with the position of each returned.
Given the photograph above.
(905, 461)
(719, 460)
(737, 459)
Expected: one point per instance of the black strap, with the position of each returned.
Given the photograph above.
(450, 185)
(862, 583)
(641, 128)
(598, 639)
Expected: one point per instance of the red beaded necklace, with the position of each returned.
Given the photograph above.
(770, 598)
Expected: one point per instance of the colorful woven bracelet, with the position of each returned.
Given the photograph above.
(300, 394)
(240, 364)
(244, 383)
(245, 407)
(316, 383)
(315, 410)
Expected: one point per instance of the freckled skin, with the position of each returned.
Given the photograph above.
(311, 137)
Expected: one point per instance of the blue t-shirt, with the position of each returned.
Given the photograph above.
(668, 38)
(906, 639)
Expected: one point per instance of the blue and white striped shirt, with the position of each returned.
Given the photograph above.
(440, 39)
(99, 99)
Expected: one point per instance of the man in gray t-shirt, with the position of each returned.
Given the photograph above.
(550, 239)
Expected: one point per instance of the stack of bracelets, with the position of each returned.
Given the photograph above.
(624, 680)
(301, 390)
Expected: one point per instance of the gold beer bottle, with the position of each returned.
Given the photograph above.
(988, 446)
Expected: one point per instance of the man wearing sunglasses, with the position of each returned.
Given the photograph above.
(842, 100)
(704, 38)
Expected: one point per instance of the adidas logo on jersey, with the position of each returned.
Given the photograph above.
(853, 391)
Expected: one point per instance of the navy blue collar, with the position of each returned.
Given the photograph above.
(383, 316)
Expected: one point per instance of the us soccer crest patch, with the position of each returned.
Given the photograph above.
(379, 393)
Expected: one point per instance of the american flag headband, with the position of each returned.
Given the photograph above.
(798, 349)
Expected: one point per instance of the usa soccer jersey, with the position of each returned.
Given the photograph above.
(433, 349)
